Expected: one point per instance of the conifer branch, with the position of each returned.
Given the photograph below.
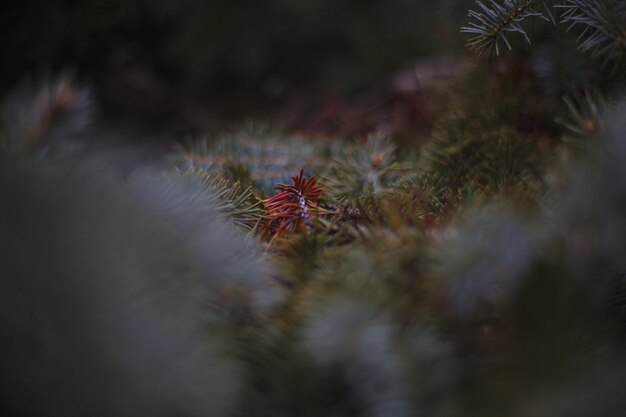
(364, 170)
(603, 26)
(495, 21)
(239, 205)
(585, 114)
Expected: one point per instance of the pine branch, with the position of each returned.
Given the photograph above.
(495, 21)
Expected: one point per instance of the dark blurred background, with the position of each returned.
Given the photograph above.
(146, 59)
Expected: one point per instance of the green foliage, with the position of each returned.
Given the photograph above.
(363, 171)
(382, 266)
(270, 156)
(488, 163)
(479, 150)
(240, 205)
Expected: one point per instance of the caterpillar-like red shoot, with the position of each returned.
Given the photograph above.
(294, 207)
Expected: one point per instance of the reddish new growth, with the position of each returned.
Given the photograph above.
(294, 206)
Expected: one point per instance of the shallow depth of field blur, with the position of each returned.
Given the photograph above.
(313, 208)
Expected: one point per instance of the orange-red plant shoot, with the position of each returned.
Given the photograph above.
(294, 206)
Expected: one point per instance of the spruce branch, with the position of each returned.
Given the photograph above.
(269, 155)
(495, 21)
(364, 171)
(585, 112)
(239, 205)
(603, 26)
